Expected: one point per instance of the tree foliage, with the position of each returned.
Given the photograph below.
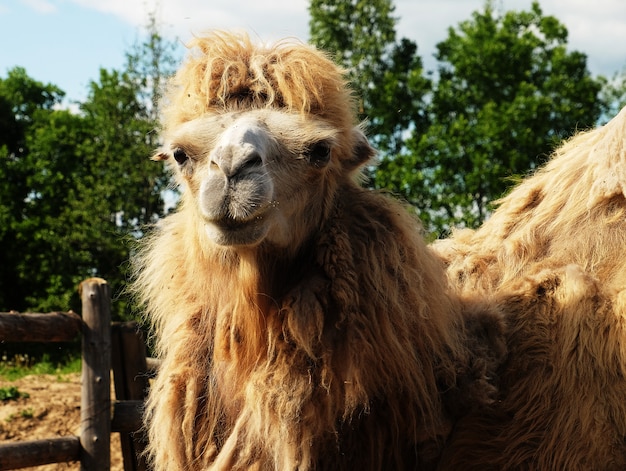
(508, 91)
(77, 187)
(386, 75)
(24, 104)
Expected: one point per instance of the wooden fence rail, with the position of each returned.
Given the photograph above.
(35, 327)
(104, 346)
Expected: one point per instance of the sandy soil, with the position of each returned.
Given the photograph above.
(51, 410)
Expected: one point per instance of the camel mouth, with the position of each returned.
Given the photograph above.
(229, 231)
(229, 223)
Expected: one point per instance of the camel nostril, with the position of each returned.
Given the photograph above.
(251, 162)
(232, 161)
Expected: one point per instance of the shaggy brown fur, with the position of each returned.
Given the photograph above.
(552, 257)
(302, 322)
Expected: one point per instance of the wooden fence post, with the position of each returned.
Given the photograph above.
(95, 413)
(130, 374)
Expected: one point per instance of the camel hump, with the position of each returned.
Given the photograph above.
(608, 159)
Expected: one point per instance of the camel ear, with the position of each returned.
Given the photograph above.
(160, 155)
(362, 151)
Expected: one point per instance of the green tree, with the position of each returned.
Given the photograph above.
(386, 75)
(24, 104)
(122, 135)
(508, 92)
(55, 255)
(82, 184)
(149, 65)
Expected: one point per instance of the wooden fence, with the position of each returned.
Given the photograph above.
(105, 346)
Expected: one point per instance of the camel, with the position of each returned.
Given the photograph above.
(550, 260)
(301, 320)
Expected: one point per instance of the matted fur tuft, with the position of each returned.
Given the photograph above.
(334, 341)
(572, 210)
(228, 72)
(552, 258)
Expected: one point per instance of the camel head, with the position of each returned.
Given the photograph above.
(260, 138)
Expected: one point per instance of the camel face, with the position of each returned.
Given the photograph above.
(250, 173)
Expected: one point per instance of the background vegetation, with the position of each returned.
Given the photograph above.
(76, 185)
(77, 188)
(506, 91)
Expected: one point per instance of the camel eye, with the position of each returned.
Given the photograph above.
(319, 154)
(180, 156)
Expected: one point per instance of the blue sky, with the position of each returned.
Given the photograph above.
(66, 42)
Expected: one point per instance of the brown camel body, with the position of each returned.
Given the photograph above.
(551, 260)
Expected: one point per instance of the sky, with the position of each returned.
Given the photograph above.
(66, 42)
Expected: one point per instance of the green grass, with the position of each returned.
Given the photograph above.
(24, 413)
(13, 370)
(11, 393)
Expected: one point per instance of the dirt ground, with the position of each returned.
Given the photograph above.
(51, 410)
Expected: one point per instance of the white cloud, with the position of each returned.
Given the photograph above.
(131, 11)
(270, 19)
(597, 29)
(40, 6)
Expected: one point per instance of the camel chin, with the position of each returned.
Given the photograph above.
(237, 233)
